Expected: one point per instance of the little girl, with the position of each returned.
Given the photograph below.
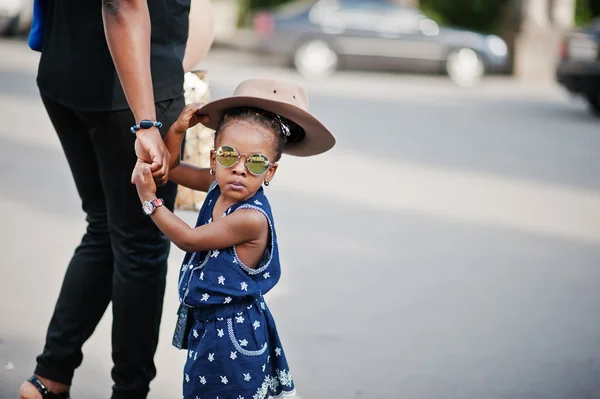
(232, 259)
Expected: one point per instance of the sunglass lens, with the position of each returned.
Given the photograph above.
(258, 164)
(227, 156)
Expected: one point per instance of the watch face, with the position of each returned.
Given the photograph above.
(148, 207)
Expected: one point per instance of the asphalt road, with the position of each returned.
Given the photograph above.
(449, 247)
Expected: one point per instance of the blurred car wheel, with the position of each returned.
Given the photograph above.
(465, 67)
(316, 59)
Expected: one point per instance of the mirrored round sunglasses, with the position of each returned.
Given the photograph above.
(256, 163)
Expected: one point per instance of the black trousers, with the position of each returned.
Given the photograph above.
(122, 256)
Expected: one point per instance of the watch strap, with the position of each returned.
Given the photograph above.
(150, 206)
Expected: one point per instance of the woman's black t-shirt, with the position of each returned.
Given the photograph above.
(76, 68)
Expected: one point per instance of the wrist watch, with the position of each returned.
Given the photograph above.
(150, 206)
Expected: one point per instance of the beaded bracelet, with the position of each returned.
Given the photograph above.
(145, 124)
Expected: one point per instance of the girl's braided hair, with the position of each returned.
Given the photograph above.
(285, 131)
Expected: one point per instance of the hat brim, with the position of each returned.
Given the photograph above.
(318, 138)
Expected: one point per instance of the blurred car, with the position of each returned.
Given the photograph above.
(579, 68)
(320, 37)
(15, 16)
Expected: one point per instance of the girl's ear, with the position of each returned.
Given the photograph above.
(271, 172)
(213, 160)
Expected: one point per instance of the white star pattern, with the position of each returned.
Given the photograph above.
(277, 351)
(244, 286)
(190, 354)
(183, 268)
(224, 380)
(285, 377)
(240, 397)
(211, 357)
(243, 342)
(247, 377)
(215, 254)
(239, 319)
(267, 275)
(257, 202)
(221, 280)
(220, 332)
(205, 297)
(227, 300)
(220, 319)
(256, 324)
(233, 355)
(195, 333)
(264, 367)
(201, 275)
(263, 306)
(195, 356)
(235, 260)
(187, 378)
(202, 380)
(249, 307)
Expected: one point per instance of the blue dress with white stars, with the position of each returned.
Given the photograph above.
(234, 350)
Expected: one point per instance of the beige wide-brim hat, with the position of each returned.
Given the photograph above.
(280, 97)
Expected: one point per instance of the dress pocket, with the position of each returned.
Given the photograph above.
(246, 338)
(198, 339)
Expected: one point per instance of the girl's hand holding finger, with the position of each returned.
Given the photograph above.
(144, 182)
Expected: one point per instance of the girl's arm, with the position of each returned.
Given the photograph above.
(182, 173)
(173, 142)
(186, 120)
(191, 176)
(241, 226)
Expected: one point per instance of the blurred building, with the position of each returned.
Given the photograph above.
(534, 29)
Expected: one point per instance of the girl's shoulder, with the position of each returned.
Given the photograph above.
(258, 200)
(212, 187)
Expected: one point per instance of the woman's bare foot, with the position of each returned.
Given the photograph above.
(28, 391)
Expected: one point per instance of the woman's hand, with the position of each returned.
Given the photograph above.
(143, 180)
(150, 148)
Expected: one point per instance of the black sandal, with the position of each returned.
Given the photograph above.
(46, 393)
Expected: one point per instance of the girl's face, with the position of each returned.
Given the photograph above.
(237, 183)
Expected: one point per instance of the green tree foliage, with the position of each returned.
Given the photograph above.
(248, 6)
(585, 11)
(265, 4)
(478, 15)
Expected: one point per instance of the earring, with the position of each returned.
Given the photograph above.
(212, 172)
(266, 182)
